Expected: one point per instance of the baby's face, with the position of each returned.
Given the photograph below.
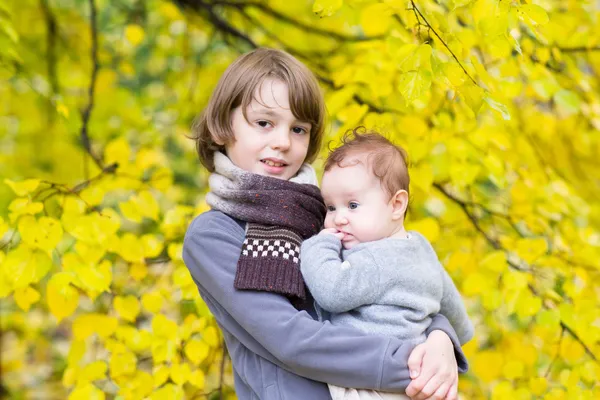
(357, 205)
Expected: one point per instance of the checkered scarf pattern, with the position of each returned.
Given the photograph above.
(279, 214)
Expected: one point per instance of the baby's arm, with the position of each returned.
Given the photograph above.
(338, 286)
(453, 308)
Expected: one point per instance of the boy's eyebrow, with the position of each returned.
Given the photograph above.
(267, 111)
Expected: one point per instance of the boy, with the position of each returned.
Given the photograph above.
(364, 268)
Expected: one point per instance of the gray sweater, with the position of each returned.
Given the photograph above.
(391, 286)
(277, 351)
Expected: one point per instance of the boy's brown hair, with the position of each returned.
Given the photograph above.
(237, 87)
(388, 162)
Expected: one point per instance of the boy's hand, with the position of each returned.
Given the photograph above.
(332, 231)
(433, 369)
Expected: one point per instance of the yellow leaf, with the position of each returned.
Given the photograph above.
(326, 8)
(180, 373)
(24, 266)
(88, 324)
(23, 188)
(152, 301)
(87, 392)
(44, 233)
(181, 277)
(153, 245)
(117, 151)
(122, 364)
(196, 351)
(495, 261)
(131, 248)
(160, 374)
(428, 227)
(92, 372)
(147, 204)
(137, 387)
(376, 19)
(168, 392)
(134, 34)
(26, 297)
(534, 13)
(175, 251)
(70, 376)
(531, 249)
(131, 211)
(413, 84)
(163, 327)
(422, 177)
(91, 254)
(538, 385)
(487, 365)
(76, 352)
(197, 379)
(138, 271)
(128, 307)
(3, 227)
(211, 336)
(474, 284)
(93, 195)
(21, 206)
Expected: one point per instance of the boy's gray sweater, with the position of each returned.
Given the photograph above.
(391, 286)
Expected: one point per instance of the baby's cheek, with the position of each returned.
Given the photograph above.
(329, 222)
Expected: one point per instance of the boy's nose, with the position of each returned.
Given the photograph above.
(281, 141)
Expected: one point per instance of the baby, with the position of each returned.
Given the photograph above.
(364, 269)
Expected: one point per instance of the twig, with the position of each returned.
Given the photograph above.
(442, 40)
(86, 114)
(297, 23)
(578, 49)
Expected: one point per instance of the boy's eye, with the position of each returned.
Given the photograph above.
(352, 205)
(299, 130)
(263, 124)
(330, 208)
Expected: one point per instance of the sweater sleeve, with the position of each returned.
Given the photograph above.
(338, 286)
(452, 307)
(269, 325)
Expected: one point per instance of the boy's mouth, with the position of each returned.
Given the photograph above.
(273, 163)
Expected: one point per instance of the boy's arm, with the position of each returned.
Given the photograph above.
(338, 286)
(268, 325)
(453, 308)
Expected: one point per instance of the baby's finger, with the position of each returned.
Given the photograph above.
(430, 390)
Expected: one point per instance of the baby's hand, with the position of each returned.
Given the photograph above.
(332, 231)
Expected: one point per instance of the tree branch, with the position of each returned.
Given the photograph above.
(442, 40)
(86, 114)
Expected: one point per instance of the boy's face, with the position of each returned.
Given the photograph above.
(272, 142)
(357, 205)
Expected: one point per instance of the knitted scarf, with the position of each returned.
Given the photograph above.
(280, 215)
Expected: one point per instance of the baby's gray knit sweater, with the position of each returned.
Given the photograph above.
(391, 286)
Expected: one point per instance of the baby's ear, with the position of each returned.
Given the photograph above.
(399, 203)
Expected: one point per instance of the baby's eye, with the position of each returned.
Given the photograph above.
(263, 124)
(353, 205)
(299, 130)
(330, 208)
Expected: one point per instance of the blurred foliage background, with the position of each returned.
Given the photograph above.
(497, 102)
